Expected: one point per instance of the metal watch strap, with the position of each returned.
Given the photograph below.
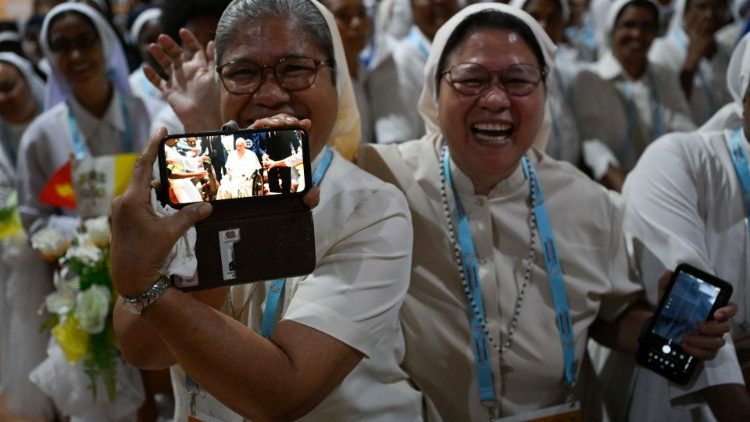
(136, 305)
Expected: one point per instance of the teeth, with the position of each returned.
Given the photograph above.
(492, 126)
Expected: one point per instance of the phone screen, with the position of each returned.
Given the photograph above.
(690, 300)
(223, 166)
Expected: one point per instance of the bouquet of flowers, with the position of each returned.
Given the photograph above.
(81, 305)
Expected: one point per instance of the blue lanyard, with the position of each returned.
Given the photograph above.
(8, 144)
(683, 41)
(480, 343)
(554, 272)
(80, 150)
(736, 148)
(632, 120)
(417, 40)
(268, 323)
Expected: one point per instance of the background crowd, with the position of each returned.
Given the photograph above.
(624, 74)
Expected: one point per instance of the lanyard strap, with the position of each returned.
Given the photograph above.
(479, 342)
(8, 144)
(741, 165)
(417, 40)
(554, 272)
(80, 150)
(273, 297)
(682, 39)
(632, 119)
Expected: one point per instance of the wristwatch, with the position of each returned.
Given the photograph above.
(136, 305)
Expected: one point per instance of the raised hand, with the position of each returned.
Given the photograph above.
(191, 87)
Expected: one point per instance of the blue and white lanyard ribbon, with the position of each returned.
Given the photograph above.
(735, 144)
(80, 150)
(268, 323)
(418, 41)
(682, 39)
(480, 343)
(632, 120)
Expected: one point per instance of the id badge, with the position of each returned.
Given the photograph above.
(568, 412)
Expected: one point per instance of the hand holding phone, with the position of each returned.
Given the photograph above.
(692, 297)
(260, 227)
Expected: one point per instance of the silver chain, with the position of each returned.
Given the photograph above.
(527, 273)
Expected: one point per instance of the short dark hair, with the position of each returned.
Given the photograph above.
(492, 20)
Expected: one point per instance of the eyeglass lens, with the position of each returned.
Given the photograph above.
(517, 79)
(292, 73)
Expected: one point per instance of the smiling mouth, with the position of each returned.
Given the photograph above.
(492, 133)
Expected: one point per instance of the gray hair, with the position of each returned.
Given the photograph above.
(302, 13)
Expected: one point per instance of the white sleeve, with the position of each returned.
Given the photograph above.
(663, 218)
(597, 156)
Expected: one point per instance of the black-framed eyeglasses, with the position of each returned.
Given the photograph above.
(292, 73)
(518, 80)
(81, 42)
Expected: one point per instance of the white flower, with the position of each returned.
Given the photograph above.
(61, 301)
(97, 230)
(50, 243)
(85, 252)
(92, 308)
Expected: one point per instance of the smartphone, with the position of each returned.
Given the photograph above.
(692, 296)
(234, 166)
(255, 179)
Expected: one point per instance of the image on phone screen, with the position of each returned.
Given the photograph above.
(690, 300)
(243, 164)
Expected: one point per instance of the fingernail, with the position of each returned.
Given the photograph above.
(289, 119)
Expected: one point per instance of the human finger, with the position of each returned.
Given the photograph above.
(726, 313)
(714, 327)
(312, 197)
(211, 54)
(190, 43)
(172, 49)
(140, 182)
(153, 77)
(161, 57)
(664, 282)
(702, 347)
(280, 120)
(179, 223)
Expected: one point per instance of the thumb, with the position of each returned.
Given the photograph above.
(181, 222)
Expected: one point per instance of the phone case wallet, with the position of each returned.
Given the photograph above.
(255, 240)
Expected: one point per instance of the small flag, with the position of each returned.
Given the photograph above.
(98, 180)
(59, 190)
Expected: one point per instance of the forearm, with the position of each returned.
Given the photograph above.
(622, 334)
(248, 373)
(728, 402)
(141, 345)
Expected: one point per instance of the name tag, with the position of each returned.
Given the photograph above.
(569, 412)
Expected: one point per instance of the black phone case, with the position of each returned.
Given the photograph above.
(669, 359)
(271, 236)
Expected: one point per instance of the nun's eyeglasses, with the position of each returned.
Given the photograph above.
(292, 73)
(518, 80)
(80, 42)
